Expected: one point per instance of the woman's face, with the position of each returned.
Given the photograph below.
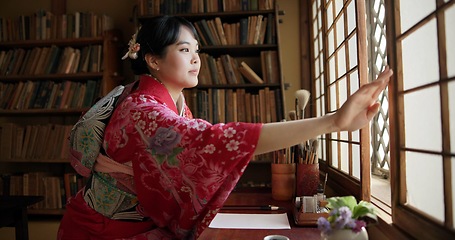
(180, 65)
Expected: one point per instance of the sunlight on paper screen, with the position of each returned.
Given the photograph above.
(412, 12)
(423, 119)
(420, 56)
(424, 183)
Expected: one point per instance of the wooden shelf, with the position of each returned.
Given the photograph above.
(228, 15)
(54, 77)
(238, 50)
(49, 153)
(75, 42)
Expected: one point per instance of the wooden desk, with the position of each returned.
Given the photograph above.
(258, 199)
(13, 213)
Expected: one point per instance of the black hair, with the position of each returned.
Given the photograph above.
(155, 35)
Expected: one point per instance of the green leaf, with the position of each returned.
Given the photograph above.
(160, 158)
(365, 209)
(337, 202)
(360, 211)
(172, 159)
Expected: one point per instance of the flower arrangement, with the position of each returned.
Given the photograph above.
(346, 213)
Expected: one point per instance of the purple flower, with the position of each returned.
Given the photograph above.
(164, 141)
(340, 222)
(343, 217)
(351, 224)
(345, 212)
(324, 225)
(359, 224)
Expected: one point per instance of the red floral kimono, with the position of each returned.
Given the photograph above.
(183, 171)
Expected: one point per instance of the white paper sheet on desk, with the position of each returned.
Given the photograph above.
(250, 221)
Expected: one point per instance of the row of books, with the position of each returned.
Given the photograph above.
(44, 25)
(227, 70)
(56, 190)
(157, 7)
(253, 30)
(46, 142)
(25, 95)
(51, 60)
(228, 105)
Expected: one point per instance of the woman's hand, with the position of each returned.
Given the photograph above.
(357, 112)
(361, 107)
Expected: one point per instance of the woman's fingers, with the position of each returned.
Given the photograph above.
(383, 79)
(374, 88)
(372, 110)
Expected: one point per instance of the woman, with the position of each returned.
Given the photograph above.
(178, 171)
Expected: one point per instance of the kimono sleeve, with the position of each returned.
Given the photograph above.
(185, 168)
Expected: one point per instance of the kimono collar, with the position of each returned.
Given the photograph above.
(152, 86)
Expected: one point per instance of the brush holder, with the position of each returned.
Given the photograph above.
(283, 181)
(307, 179)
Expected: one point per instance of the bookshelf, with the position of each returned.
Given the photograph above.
(240, 77)
(51, 71)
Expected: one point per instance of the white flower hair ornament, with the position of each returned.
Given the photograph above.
(132, 49)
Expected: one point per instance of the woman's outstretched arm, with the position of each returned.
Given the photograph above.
(355, 113)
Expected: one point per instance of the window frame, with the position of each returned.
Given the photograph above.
(342, 182)
(405, 218)
(421, 226)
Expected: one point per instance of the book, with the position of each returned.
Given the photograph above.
(6, 61)
(17, 94)
(214, 32)
(85, 59)
(235, 67)
(262, 31)
(52, 62)
(31, 61)
(257, 29)
(243, 31)
(39, 68)
(23, 102)
(21, 53)
(42, 94)
(35, 60)
(69, 63)
(252, 20)
(214, 76)
(27, 136)
(228, 69)
(90, 93)
(25, 62)
(64, 95)
(52, 96)
(220, 30)
(207, 33)
(34, 94)
(32, 141)
(20, 131)
(249, 74)
(7, 95)
(220, 71)
(7, 130)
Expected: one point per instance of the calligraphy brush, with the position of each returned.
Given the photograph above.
(302, 97)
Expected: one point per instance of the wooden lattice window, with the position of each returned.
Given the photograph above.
(339, 61)
(380, 131)
(421, 46)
